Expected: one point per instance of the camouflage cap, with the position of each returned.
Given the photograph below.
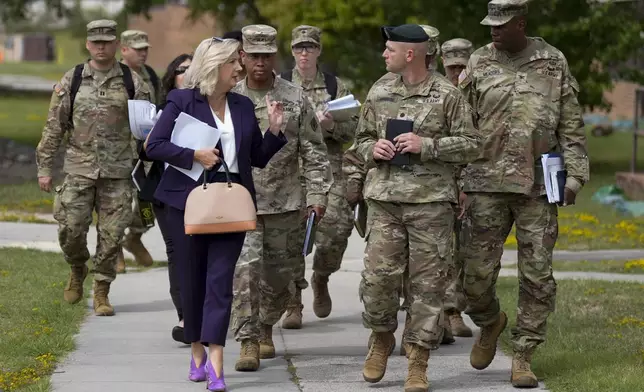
(306, 33)
(456, 51)
(259, 39)
(433, 47)
(101, 30)
(135, 39)
(500, 12)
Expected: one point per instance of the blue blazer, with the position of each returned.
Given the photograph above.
(253, 149)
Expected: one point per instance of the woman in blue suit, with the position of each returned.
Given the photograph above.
(209, 265)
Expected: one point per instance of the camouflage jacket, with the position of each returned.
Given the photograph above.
(277, 185)
(99, 142)
(353, 166)
(342, 132)
(525, 106)
(154, 95)
(443, 120)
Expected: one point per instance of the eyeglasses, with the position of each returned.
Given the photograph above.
(307, 48)
(213, 40)
(180, 70)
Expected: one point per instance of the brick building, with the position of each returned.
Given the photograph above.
(172, 32)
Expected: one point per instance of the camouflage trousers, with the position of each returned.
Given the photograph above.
(417, 238)
(454, 297)
(331, 240)
(489, 219)
(263, 281)
(74, 203)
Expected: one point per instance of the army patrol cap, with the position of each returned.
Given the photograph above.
(135, 39)
(456, 51)
(411, 33)
(304, 33)
(101, 30)
(500, 12)
(433, 47)
(259, 39)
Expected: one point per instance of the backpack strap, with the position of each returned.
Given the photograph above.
(77, 78)
(331, 84)
(127, 80)
(287, 75)
(154, 78)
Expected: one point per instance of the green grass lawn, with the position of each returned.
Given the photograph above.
(69, 53)
(612, 266)
(37, 326)
(595, 339)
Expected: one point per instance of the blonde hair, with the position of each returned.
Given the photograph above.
(211, 54)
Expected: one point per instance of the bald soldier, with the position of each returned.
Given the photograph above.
(134, 54)
(89, 109)
(525, 100)
(265, 272)
(455, 54)
(412, 131)
(332, 235)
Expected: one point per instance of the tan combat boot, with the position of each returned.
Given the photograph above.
(458, 325)
(404, 347)
(133, 244)
(484, 348)
(416, 380)
(293, 317)
(376, 363)
(266, 346)
(73, 292)
(522, 376)
(102, 305)
(321, 298)
(120, 261)
(248, 356)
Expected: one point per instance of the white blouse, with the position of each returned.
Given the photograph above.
(227, 140)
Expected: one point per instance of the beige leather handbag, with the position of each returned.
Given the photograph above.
(219, 207)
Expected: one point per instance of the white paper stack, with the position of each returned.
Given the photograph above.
(344, 108)
(143, 115)
(552, 165)
(191, 133)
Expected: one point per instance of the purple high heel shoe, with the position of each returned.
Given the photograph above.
(215, 383)
(198, 374)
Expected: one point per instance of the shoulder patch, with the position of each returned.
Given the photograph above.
(58, 89)
(314, 123)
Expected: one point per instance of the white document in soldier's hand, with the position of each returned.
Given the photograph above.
(343, 108)
(191, 133)
(142, 115)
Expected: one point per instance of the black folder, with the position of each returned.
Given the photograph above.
(309, 238)
(397, 127)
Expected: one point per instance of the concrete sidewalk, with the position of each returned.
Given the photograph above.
(133, 350)
(45, 237)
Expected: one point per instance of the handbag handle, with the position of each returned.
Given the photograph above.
(228, 180)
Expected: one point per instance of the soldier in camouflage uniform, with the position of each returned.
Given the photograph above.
(98, 163)
(525, 100)
(355, 179)
(332, 235)
(410, 221)
(455, 54)
(134, 50)
(264, 276)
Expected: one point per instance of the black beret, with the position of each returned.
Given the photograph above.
(412, 33)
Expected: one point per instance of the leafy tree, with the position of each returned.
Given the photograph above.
(597, 37)
(13, 10)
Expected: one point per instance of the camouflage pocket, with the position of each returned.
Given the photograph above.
(59, 210)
